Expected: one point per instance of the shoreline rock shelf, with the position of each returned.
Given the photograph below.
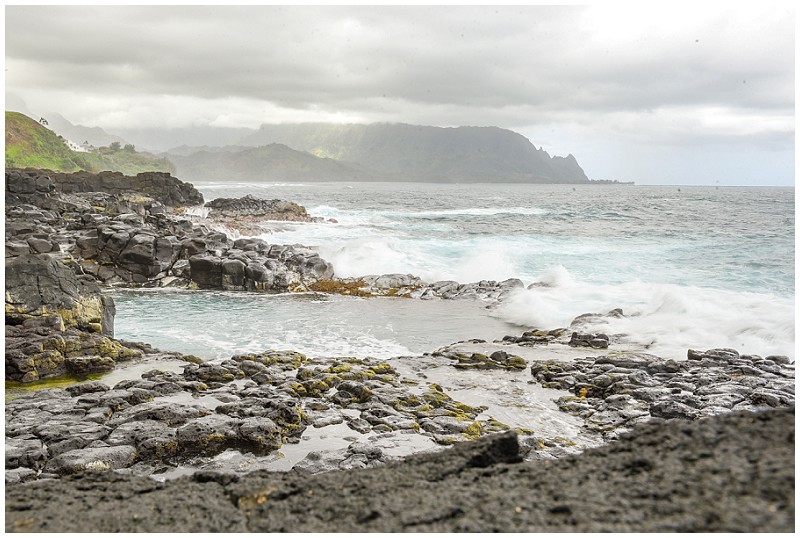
(730, 473)
(66, 234)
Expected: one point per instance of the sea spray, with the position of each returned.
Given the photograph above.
(667, 319)
(700, 268)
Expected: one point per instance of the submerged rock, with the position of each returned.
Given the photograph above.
(479, 361)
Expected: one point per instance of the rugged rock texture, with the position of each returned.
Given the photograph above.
(250, 206)
(134, 240)
(253, 264)
(615, 391)
(410, 286)
(39, 352)
(481, 361)
(249, 215)
(250, 403)
(160, 186)
(733, 473)
(40, 288)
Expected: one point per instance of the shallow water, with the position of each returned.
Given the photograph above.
(691, 267)
(217, 325)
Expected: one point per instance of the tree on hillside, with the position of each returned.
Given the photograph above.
(129, 148)
(115, 146)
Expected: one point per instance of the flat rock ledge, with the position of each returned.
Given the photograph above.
(613, 392)
(731, 473)
(249, 215)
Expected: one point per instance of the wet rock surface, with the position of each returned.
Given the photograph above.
(615, 391)
(44, 352)
(38, 287)
(732, 473)
(412, 287)
(252, 404)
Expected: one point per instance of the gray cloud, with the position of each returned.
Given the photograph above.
(638, 74)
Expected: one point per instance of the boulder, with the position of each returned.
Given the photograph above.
(38, 285)
(251, 206)
(92, 459)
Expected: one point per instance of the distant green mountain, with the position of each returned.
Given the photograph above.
(272, 162)
(31, 144)
(422, 153)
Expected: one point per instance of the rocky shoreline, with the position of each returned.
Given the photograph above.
(729, 473)
(70, 235)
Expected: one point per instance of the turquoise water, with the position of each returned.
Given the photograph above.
(216, 325)
(693, 267)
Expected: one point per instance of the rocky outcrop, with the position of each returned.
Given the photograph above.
(39, 352)
(255, 265)
(160, 186)
(42, 290)
(732, 473)
(249, 215)
(410, 286)
(133, 240)
(613, 392)
(480, 361)
(250, 206)
(27, 182)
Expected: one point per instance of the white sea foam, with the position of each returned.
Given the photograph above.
(687, 270)
(238, 185)
(669, 318)
(467, 211)
(197, 211)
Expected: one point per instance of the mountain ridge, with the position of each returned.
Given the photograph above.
(394, 152)
(344, 152)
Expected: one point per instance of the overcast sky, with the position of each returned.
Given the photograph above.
(646, 92)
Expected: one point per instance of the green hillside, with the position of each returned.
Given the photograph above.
(32, 145)
(29, 144)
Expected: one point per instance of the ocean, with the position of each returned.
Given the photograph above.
(691, 267)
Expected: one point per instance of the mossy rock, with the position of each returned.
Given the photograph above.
(288, 360)
(492, 425)
(341, 287)
(339, 368)
(473, 431)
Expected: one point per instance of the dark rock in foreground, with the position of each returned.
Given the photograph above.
(38, 286)
(732, 473)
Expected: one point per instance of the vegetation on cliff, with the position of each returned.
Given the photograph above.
(29, 144)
